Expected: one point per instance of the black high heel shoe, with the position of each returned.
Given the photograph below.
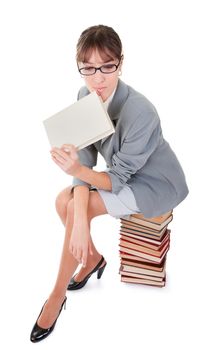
(73, 285)
(39, 333)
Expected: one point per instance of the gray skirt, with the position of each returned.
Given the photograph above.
(119, 205)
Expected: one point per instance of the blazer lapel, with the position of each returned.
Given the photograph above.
(116, 104)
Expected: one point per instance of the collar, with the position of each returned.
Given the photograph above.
(119, 98)
(108, 101)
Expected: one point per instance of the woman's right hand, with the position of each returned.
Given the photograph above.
(80, 243)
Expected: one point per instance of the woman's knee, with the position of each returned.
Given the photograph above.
(62, 200)
(70, 207)
(96, 206)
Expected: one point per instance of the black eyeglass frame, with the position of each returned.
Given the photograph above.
(100, 68)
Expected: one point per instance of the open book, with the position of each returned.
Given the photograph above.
(81, 124)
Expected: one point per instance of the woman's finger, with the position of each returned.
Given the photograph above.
(71, 149)
(84, 258)
(71, 248)
(78, 255)
(58, 158)
(90, 249)
(67, 147)
(73, 153)
(61, 153)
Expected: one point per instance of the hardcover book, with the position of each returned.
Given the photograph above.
(81, 124)
(156, 223)
(143, 235)
(141, 276)
(140, 248)
(141, 271)
(143, 264)
(142, 229)
(145, 242)
(143, 281)
(147, 256)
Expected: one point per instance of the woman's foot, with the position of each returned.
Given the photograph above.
(84, 271)
(50, 311)
(46, 322)
(99, 267)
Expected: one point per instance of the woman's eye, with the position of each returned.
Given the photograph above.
(88, 68)
(108, 66)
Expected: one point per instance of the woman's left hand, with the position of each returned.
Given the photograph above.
(66, 158)
(80, 243)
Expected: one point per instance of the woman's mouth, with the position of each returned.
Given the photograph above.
(99, 90)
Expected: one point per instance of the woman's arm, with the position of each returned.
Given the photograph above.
(100, 179)
(67, 159)
(80, 238)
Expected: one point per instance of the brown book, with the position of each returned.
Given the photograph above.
(142, 271)
(147, 256)
(139, 275)
(142, 281)
(140, 248)
(131, 230)
(139, 238)
(156, 223)
(145, 264)
(140, 228)
(151, 244)
(133, 257)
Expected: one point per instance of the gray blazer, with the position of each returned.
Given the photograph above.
(137, 154)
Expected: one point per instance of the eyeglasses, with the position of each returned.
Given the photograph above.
(105, 68)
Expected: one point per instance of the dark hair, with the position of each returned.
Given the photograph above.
(102, 38)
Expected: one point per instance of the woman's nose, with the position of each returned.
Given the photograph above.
(98, 77)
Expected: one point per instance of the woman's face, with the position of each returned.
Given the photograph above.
(103, 84)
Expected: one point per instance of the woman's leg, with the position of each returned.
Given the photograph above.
(61, 208)
(68, 263)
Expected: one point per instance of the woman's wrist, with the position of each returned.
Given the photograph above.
(81, 199)
(80, 219)
(80, 215)
(77, 171)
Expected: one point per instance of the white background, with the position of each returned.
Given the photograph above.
(38, 77)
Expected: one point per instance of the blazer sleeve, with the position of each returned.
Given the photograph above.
(140, 142)
(88, 157)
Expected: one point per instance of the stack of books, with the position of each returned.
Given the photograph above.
(144, 244)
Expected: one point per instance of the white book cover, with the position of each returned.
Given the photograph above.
(81, 124)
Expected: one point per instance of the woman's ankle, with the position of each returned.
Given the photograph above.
(95, 258)
(57, 295)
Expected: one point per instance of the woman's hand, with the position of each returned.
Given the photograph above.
(80, 244)
(66, 158)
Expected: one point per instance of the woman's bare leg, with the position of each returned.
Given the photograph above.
(61, 208)
(68, 263)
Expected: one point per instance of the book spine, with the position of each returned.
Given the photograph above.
(144, 255)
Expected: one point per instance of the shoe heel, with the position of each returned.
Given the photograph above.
(100, 271)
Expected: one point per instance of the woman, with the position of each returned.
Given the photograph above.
(142, 175)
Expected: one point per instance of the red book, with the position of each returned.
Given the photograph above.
(152, 244)
(144, 255)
